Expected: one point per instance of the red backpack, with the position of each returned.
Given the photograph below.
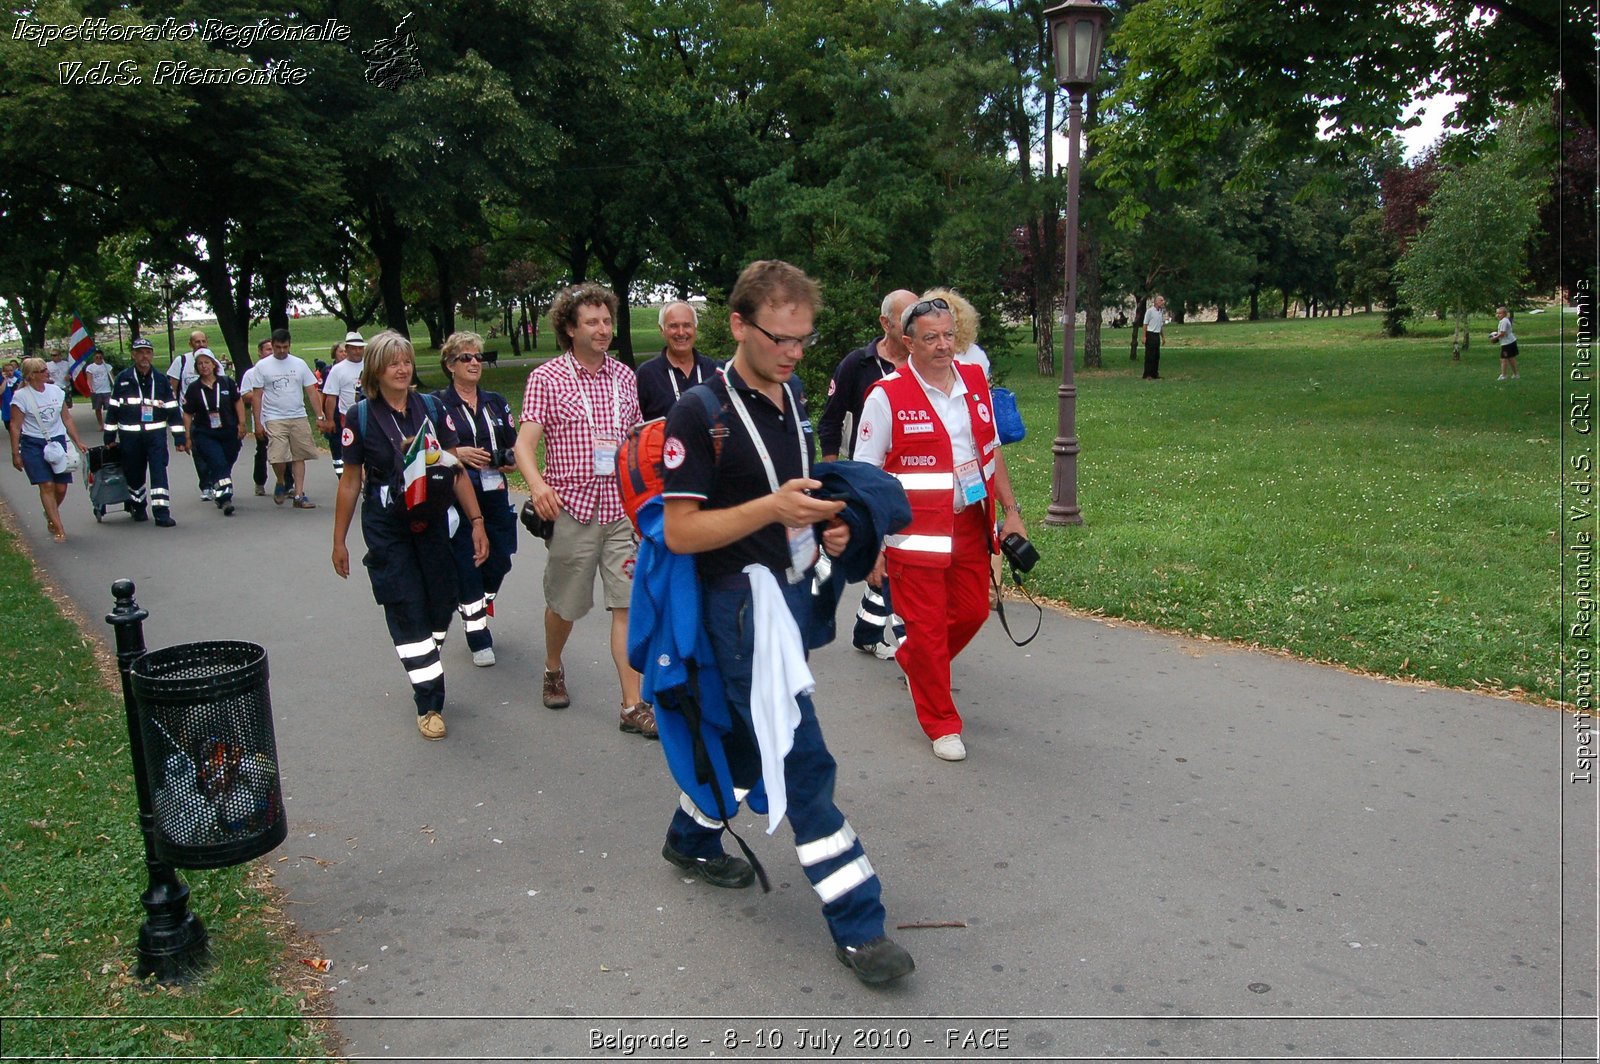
(640, 469)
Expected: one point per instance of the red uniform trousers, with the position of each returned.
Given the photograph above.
(943, 609)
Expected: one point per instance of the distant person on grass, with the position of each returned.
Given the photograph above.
(678, 367)
(1508, 345)
(1155, 322)
(285, 386)
(36, 423)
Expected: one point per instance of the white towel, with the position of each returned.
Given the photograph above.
(778, 673)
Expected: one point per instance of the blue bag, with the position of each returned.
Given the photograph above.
(1007, 418)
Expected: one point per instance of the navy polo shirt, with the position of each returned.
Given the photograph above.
(854, 377)
(656, 378)
(739, 475)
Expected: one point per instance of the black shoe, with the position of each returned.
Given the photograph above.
(877, 962)
(227, 508)
(164, 519)
(139, 513)
(720, 871)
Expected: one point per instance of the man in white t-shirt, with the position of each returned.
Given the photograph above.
(100, 373)
(1155, 320)
(284, 386)
(58, 370)
(341, 387)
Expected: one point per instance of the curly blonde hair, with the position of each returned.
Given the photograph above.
(965, 314)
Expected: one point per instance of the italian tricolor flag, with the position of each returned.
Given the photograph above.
(420, 452)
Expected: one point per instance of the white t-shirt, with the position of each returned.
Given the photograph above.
(41, 411)
(343, 379)
(976, 356)
(1154, 319)
(57, 372)
(100, 377)
(183, 373)
(283, 382)
(1507, 337)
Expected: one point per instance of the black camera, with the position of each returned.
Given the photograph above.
(534, 523)
(1022, 554)
(499, 458)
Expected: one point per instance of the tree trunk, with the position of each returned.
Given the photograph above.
(508, 315)
(1133, 340)
(1255, 302)
(388, 241)
(1284, 312)
(447, 295)
(1094, 303)
(1222, 312)
(277, 285)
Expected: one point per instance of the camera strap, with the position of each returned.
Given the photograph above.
(1000, 607)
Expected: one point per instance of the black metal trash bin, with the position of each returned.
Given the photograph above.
(206, 717)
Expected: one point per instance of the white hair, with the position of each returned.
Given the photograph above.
(661, 318)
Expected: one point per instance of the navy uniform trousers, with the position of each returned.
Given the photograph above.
(834, 860)
(479, 584)
(142, 455)
(414, 581)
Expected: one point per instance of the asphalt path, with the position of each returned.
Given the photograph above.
(1158, 846)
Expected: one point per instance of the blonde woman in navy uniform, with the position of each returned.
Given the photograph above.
(409, 562)
(484, 426)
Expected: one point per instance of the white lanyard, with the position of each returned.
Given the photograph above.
(216, 397)
(755, 437)
(672, 378)
(616, 399)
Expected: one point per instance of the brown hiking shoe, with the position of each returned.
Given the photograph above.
(639, 719)
(555, 689)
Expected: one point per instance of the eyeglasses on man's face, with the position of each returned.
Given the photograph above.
(799, 343)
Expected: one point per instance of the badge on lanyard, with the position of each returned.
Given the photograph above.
(969, 482)
(802, 551)
(491, 479)
(216, 419)
(605, 456)
(147, 411)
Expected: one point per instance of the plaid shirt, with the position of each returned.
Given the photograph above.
(554, 400)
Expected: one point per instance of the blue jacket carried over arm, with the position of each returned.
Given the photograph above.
(670, 649)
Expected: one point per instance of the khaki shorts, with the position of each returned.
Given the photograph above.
(576, 552)
(289, 440)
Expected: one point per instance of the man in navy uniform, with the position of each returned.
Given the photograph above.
(746, 503)
(679, 366)
(140, 412)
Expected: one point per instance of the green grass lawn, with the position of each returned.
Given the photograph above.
(1316, 487)
(74, 871)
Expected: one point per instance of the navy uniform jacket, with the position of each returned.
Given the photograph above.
(847, 392)
(132, 396)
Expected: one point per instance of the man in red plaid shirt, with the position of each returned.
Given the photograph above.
(580, 406)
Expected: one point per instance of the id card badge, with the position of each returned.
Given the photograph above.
(605, 456)
(802, 551)
(216, 419)
(491, 479)
(147, 413)
(969, 481)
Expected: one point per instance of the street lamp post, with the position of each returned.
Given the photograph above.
(1077, 28)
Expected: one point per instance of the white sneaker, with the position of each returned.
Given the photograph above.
(949, 748)
(1501, 377)
(483, 658)
(207, 495)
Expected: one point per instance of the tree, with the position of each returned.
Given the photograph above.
(1472, 252)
